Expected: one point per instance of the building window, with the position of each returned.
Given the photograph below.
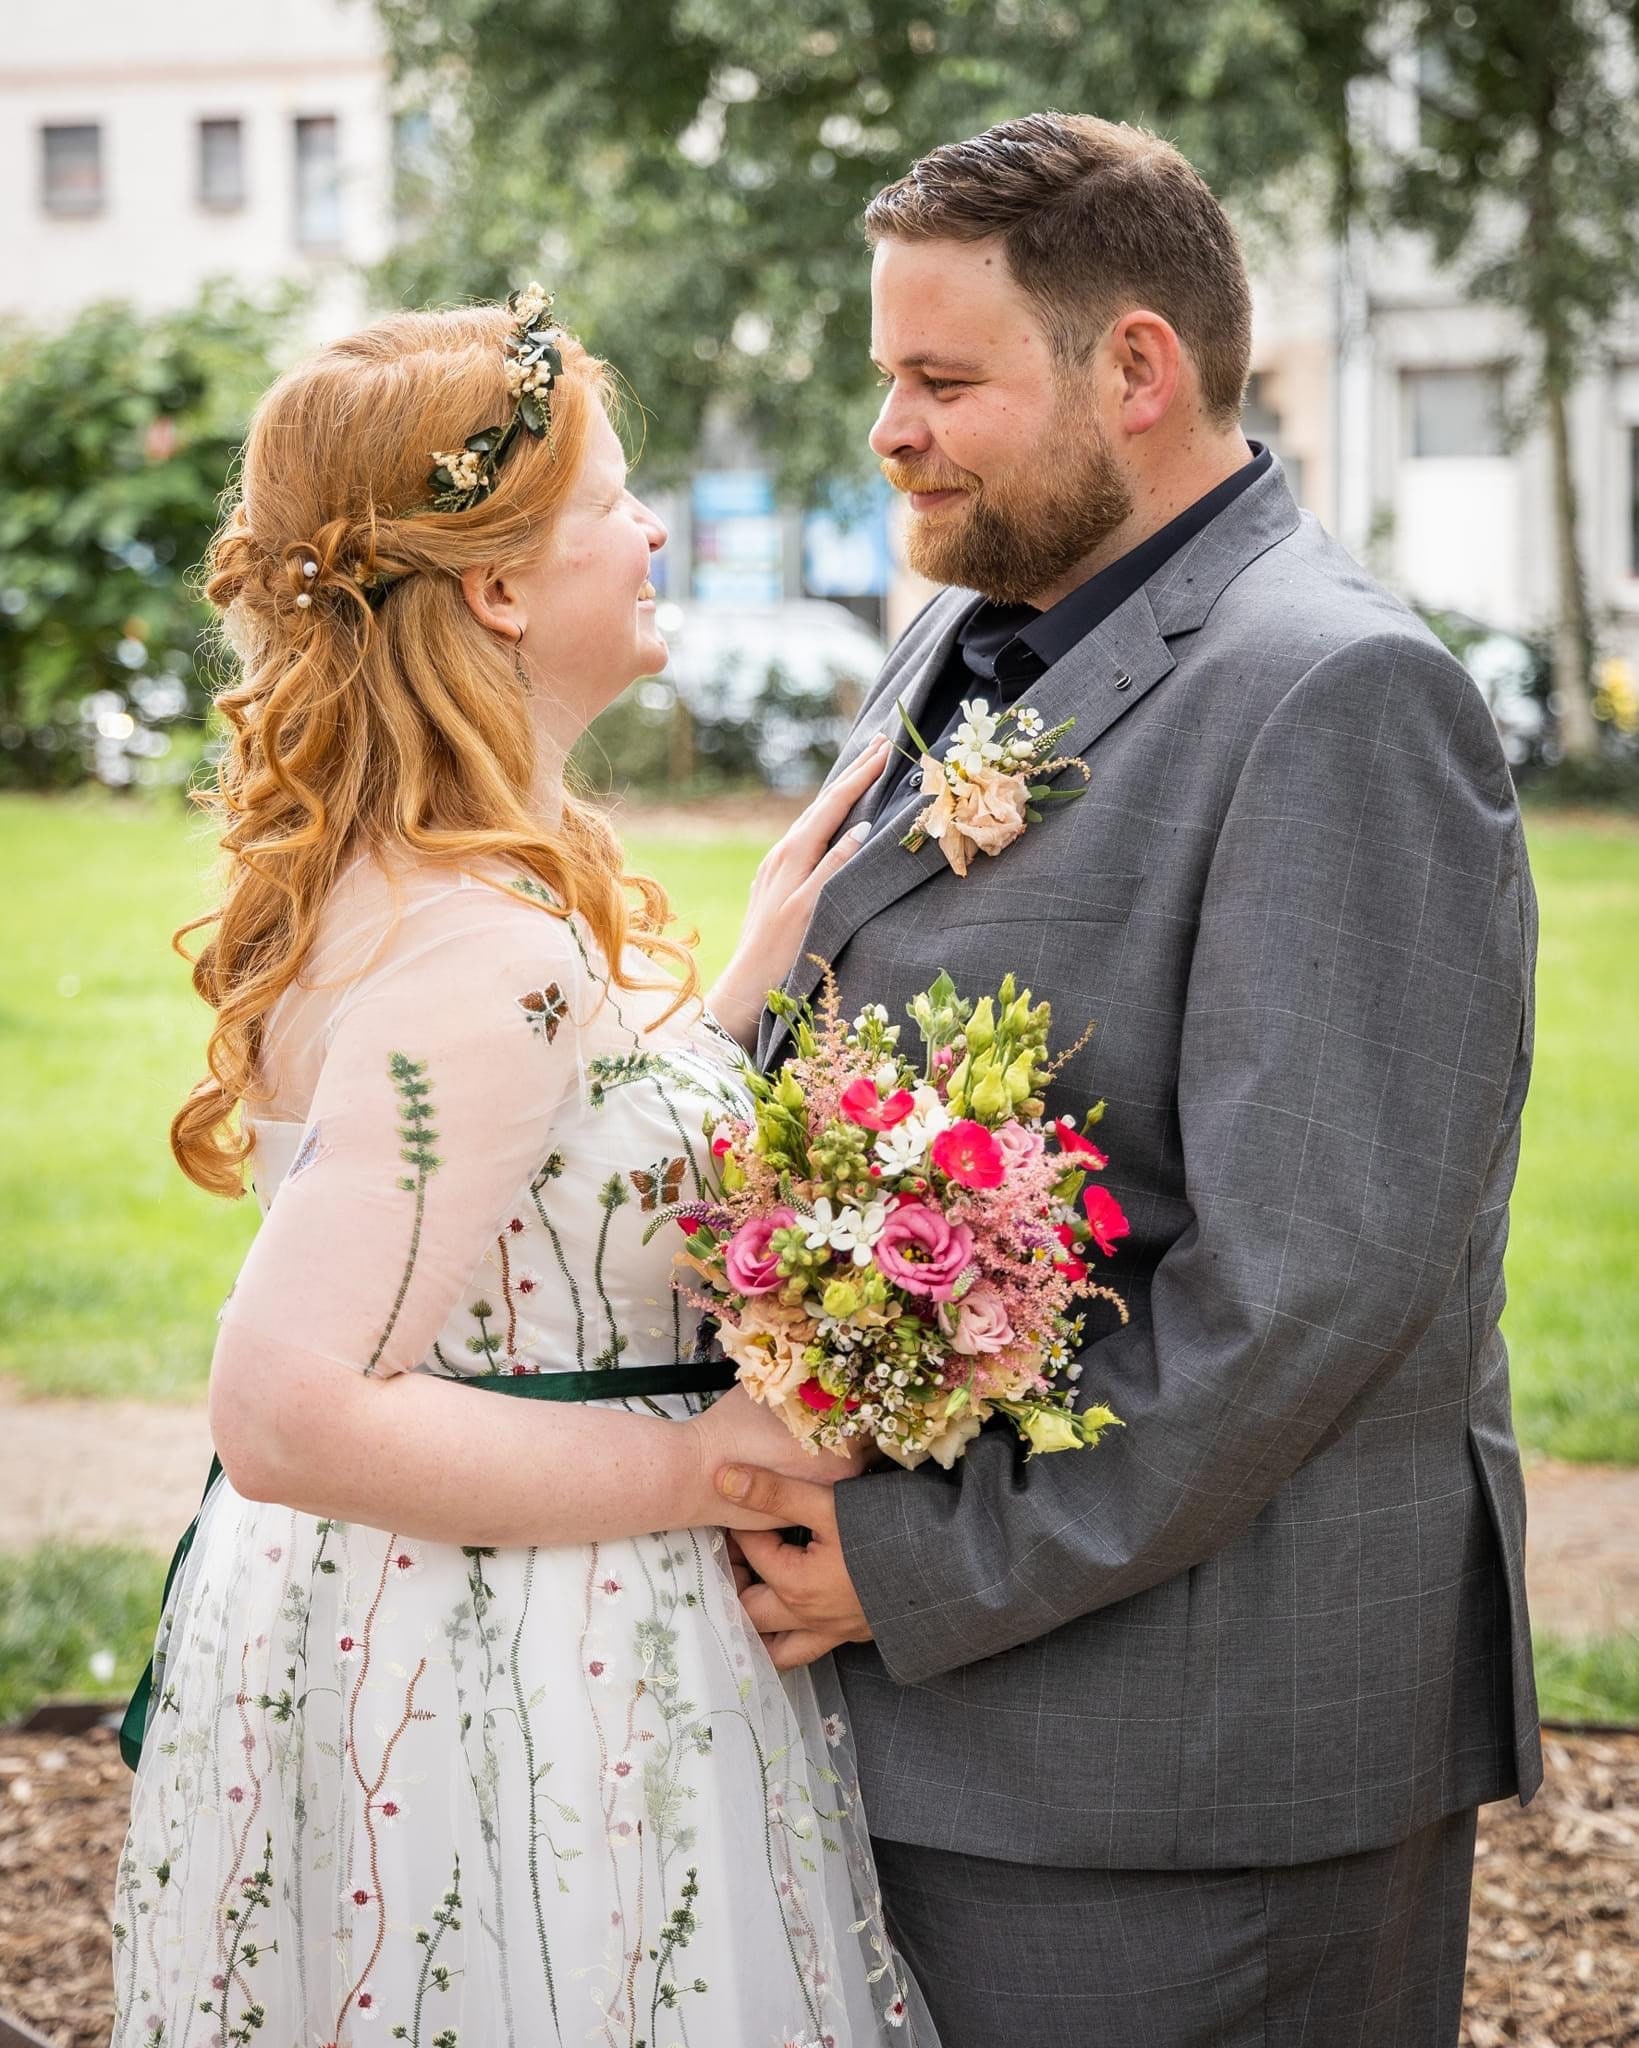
(71, 160)
(222, 164)
(1633, 501)
(415, 165)
(318, 182)
(1454, 412)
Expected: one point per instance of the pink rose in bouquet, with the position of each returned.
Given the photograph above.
(752, 1267)
(899, 1251)
(923, 1251)
(977, 1324)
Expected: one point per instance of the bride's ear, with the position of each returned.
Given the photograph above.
(493, 602)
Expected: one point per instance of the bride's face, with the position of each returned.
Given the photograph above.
(586, 605)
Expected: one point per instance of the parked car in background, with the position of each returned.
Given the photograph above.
(751, 695)
(1513, 676)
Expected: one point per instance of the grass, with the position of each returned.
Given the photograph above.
(1594, 1680)
(65, 1609)
(1573, 1258)
(112, 1266)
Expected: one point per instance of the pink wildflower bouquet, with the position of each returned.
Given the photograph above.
(897, 1253)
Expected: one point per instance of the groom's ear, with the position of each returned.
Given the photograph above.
(1148, 359)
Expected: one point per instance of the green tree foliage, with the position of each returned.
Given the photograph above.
(117, 435)
(1526, 174)
(689, 174)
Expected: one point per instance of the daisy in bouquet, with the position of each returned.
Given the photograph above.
(897, 1252)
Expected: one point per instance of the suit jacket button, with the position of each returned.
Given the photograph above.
(1123, 682)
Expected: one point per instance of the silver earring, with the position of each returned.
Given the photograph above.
(518, 660)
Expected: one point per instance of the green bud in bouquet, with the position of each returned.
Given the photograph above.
(842, 1298)
(990, 1098)
(788, 1091)
(1021, 1079)
(1007, 991)
(1092, 1422)
(957, 1086)
(981, 1026)
(1020, 1016)
(731, 1173)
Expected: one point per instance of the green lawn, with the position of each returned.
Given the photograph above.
(112, 1266)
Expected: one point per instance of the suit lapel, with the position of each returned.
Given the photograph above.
(1096, 683)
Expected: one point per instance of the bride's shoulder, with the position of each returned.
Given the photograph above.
(406, 913)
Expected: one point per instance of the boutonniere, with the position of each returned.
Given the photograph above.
(995, 776)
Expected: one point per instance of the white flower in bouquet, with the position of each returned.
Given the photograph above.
(846, 1229)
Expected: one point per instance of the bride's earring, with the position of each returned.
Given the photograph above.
(518, 660)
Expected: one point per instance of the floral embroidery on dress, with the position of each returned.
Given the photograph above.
(312, 1151)
(476, 1797)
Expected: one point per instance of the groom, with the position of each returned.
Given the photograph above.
(1180, 1740)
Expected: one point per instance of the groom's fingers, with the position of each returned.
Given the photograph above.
(798, 1647)
(796, 1503)
(773, 1559)
(767, 1612)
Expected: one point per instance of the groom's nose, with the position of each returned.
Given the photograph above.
(901, 429)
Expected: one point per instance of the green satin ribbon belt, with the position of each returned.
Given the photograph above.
(620, 1383)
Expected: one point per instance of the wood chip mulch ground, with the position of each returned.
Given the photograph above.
(1553, 1958)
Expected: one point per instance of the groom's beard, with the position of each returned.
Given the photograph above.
(1013, 539)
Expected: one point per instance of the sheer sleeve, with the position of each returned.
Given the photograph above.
(443, 1067)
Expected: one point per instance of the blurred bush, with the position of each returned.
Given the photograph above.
(117, 436)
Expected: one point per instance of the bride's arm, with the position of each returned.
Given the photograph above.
(439, 1089)
(454, 1464)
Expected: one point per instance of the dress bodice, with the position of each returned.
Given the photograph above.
(495, 1129)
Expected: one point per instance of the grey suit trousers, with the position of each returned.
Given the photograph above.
(1363, 1951)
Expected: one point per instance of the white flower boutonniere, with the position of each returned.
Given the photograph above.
(989, 787)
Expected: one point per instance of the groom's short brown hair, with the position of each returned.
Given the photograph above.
(1095, 217)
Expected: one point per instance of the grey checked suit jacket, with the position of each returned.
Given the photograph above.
(1281, 1615)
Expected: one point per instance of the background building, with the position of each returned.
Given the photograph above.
(144, 150)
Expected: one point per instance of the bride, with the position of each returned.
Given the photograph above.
(457, 1735)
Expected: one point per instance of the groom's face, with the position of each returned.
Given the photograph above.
(999, 446)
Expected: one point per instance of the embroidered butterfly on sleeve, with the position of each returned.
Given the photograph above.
(661, 1185)
(545, 1009)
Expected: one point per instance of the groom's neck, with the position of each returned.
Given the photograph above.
(1164, 480)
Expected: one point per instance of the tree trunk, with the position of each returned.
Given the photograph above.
(1572, 639)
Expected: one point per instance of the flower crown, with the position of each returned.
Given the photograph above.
(534, 364)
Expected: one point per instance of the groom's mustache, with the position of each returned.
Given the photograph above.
(906, 477)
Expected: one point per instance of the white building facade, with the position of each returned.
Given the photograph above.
(145, 150)
(1407, 409)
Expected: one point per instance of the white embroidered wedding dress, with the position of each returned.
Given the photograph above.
(395, 1790)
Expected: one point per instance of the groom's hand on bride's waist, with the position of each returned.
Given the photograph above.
(802, 1602)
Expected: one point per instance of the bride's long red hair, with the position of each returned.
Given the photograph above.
(399, 728)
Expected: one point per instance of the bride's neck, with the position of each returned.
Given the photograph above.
(546, 790)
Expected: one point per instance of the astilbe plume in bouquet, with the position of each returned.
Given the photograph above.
(899, 1254)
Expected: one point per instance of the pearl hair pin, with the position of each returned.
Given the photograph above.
(310, 568)
(304, 600)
